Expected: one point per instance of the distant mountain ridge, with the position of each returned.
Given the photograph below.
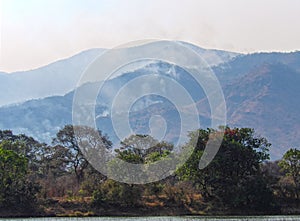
(57, 78)
(241, 65)
(260, 91)
(62, 76)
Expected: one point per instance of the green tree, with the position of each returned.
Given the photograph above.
(73, 145)
(233, 179)
(139, 149)
(290, 163)
(16, 191)
(143, 149)
(24, 145)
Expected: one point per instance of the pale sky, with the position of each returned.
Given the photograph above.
(37, 32)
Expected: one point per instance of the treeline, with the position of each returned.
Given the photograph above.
(38, 179)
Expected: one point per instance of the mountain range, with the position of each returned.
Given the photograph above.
(57, 78)
(260, 91)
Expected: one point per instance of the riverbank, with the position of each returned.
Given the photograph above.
(150, 206)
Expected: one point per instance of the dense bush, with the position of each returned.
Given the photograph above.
(16, 191)
(239, 180)
(118, 194)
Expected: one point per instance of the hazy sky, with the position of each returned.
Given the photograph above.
(37, 32)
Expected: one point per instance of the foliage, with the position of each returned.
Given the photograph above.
(93, 181)
(142, 149)
(238, 180)
(233, 179)
(115, 193)
(24, 145)
(16, 191)
(72, 144)
(290, 163)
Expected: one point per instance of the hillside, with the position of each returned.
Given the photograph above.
(260, 92)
